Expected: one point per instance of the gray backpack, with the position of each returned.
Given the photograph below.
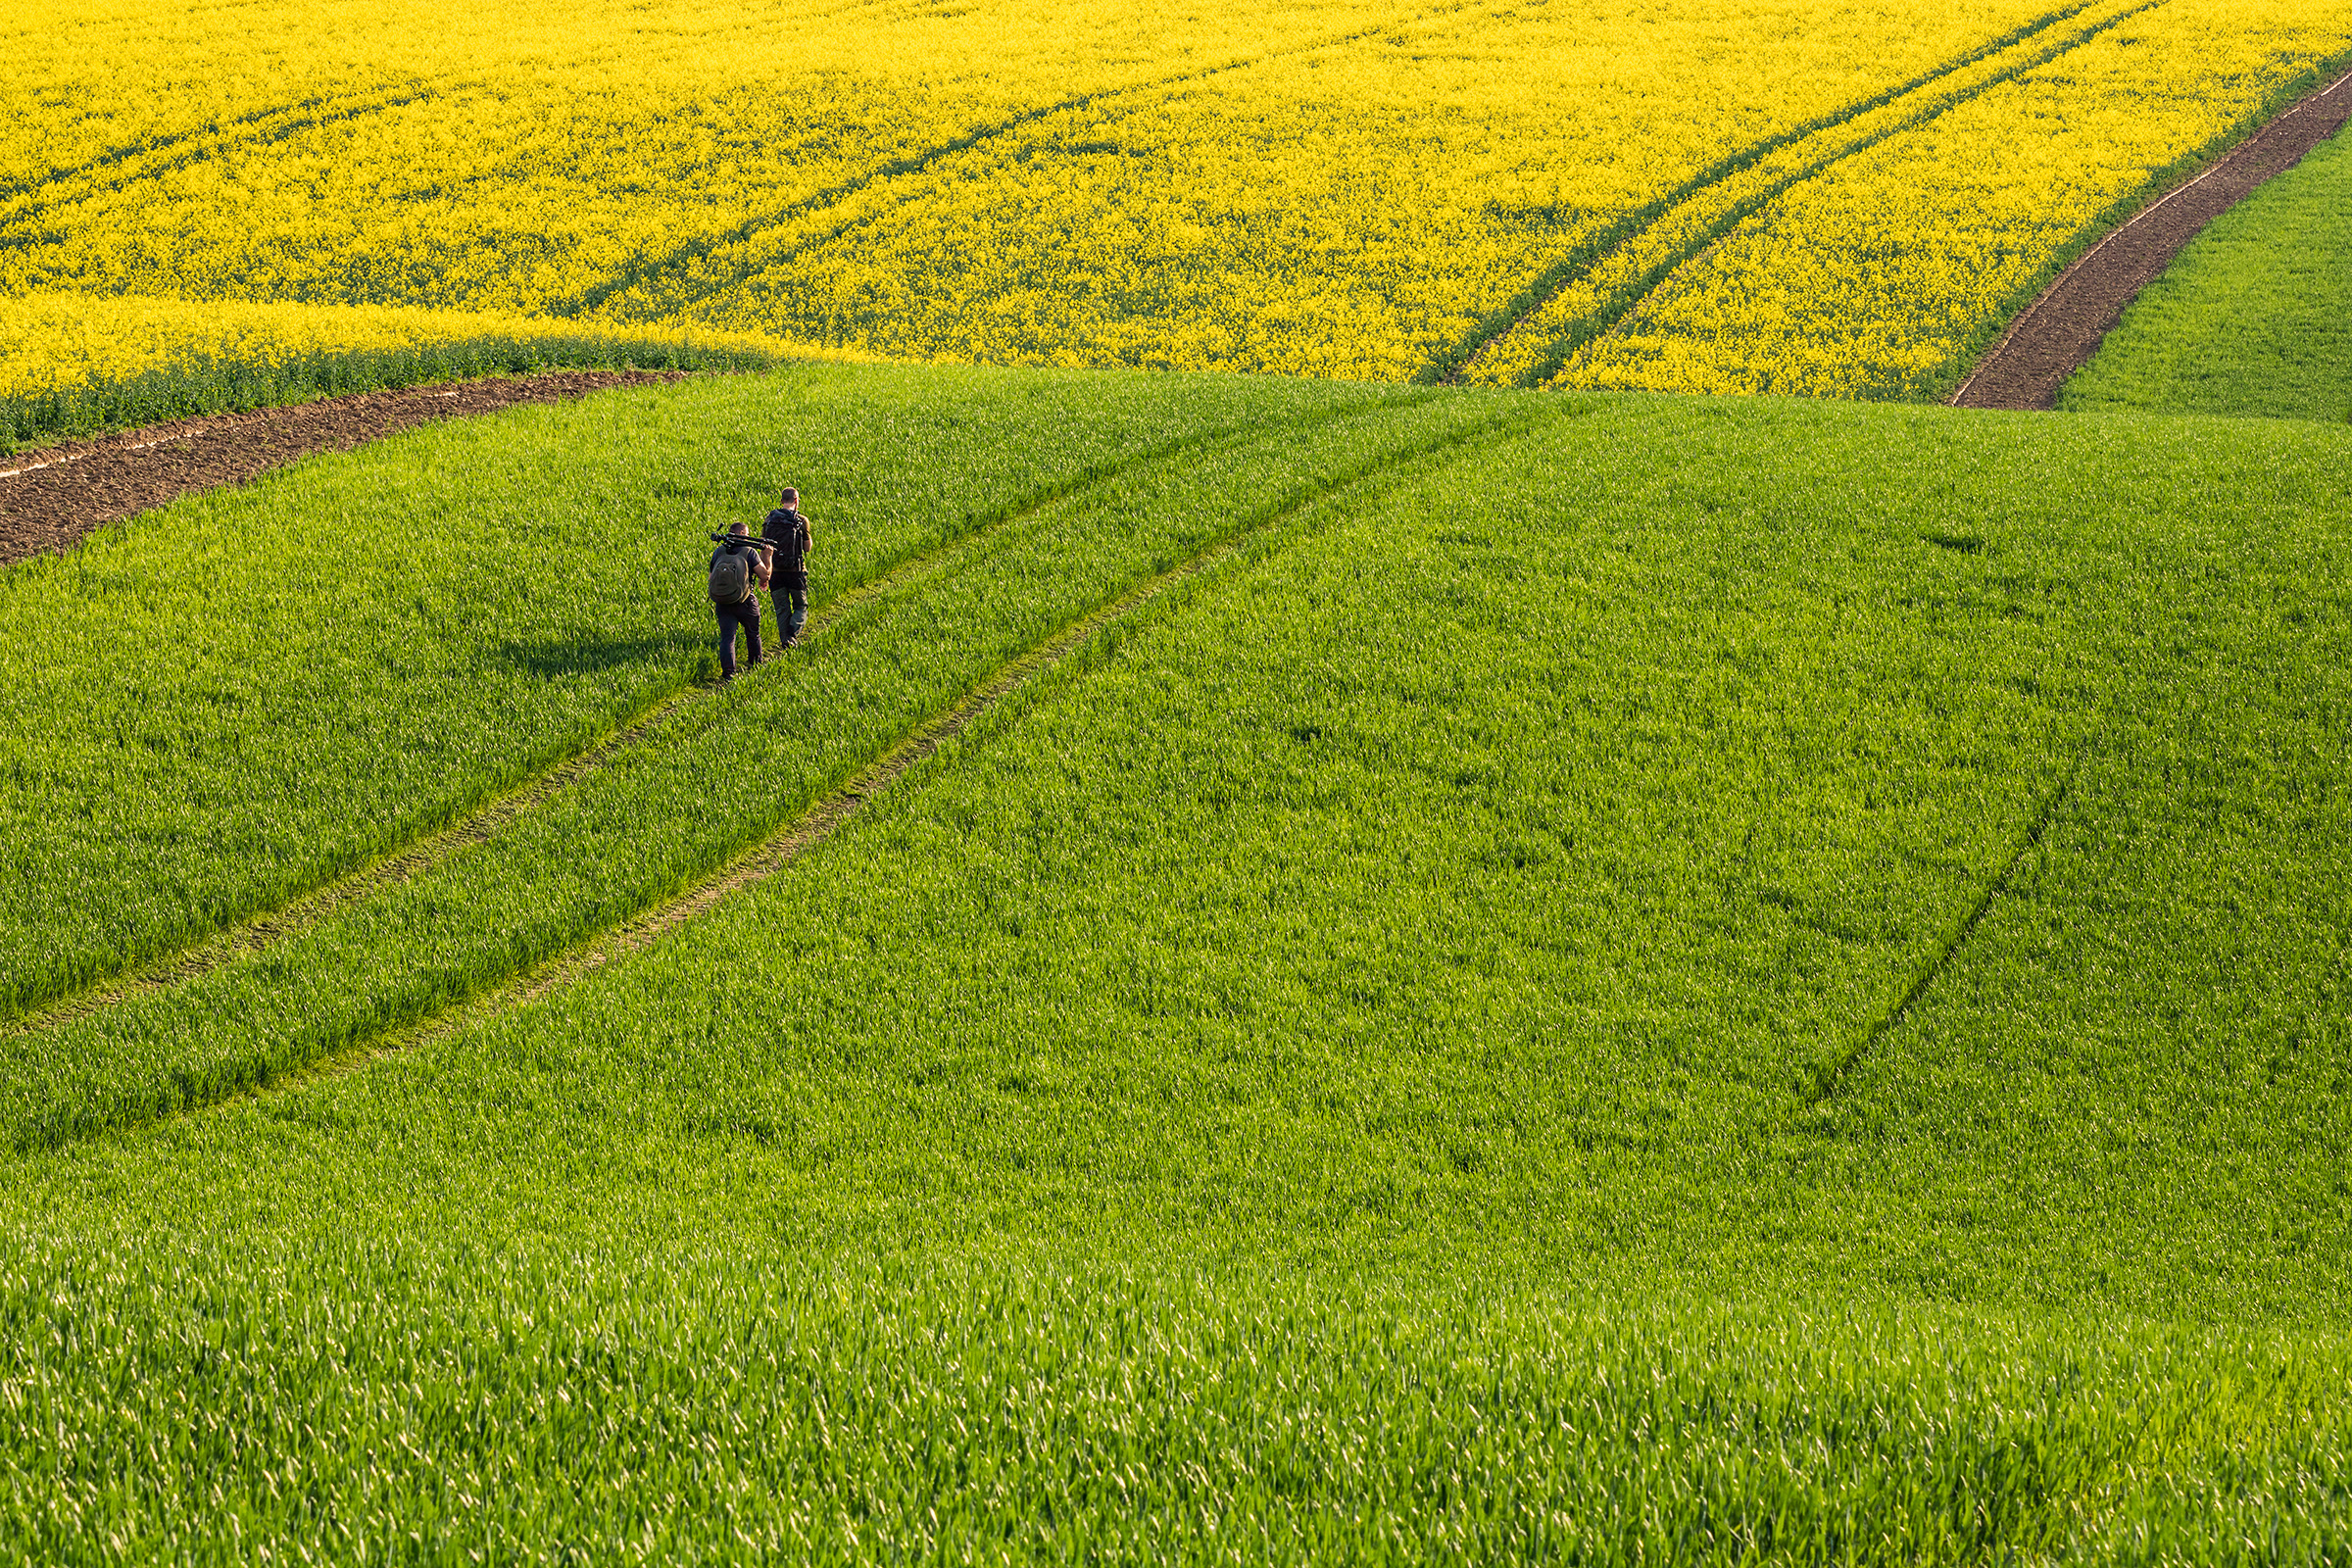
(730, 576)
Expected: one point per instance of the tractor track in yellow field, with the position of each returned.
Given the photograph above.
(154, 157)
(681, 259)
(2028, 41)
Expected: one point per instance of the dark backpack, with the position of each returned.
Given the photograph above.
(730, 575)
(786, 529)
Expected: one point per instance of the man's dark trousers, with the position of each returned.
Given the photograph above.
(787, 530)
(792, 605)
(730, 617)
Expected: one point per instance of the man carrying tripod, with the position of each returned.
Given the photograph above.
(790, 538)
(738, 567)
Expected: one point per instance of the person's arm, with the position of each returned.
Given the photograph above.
(808, 537)
(763, 561)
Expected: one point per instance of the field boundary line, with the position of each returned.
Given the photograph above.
(1566, 345)
(2247, 150)
(839, 615)
(1449, 368)
(1830, 1074)
(223, 447)
(834, 808)
(636, 272)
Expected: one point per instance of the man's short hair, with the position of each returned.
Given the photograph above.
(739, 527)
(791, 495)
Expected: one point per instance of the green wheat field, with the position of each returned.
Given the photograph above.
(1579, 978)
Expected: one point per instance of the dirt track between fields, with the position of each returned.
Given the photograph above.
(50, 498)
(2057, 334)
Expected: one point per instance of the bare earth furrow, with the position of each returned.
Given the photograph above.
(52, 497)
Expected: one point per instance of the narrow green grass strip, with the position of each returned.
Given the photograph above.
(185, 391)
(2254, 317)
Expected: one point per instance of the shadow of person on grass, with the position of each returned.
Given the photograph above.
(593, 655)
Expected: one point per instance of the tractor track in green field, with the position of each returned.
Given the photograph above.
(1452, 367)
(836, 616)
(1833, 1072)
(803, 833)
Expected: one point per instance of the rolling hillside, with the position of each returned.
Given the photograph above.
(1678, 197)
(1296, 969)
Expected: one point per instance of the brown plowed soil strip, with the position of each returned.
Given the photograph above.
(2057, 334)
(51, 497)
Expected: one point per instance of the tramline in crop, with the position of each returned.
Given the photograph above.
(623, 836)
(487, 661)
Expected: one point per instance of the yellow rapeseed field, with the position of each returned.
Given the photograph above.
(1727, 195)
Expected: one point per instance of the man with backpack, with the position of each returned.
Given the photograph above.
(738, 567)
(790, 538)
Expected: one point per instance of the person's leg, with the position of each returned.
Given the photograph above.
(726, 642)
(797, 597)
(750, 626)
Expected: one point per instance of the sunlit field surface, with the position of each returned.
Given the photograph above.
(1679, 196)
(1347, 939)
(1494, 975)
